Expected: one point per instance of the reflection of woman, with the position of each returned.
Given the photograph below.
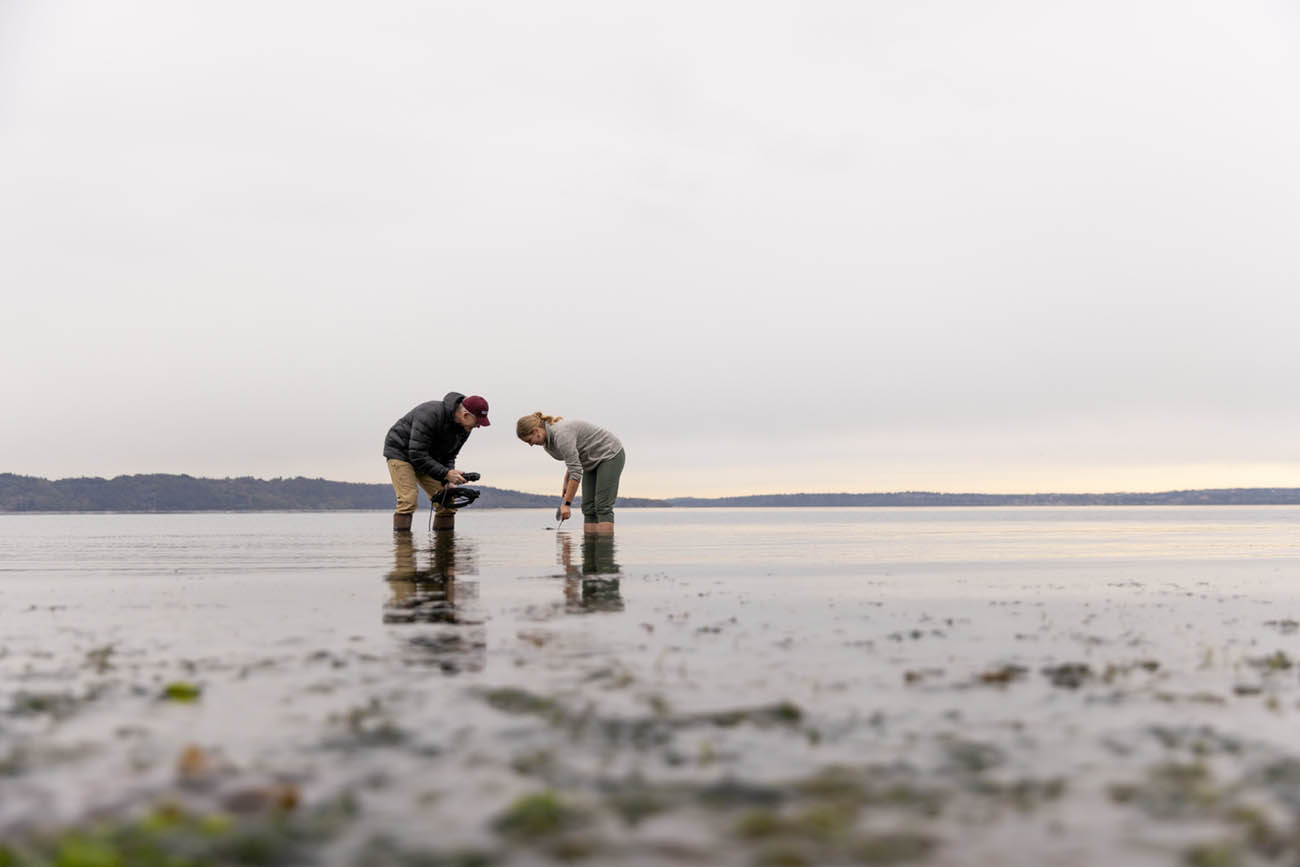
(594, 585)
(593, 457)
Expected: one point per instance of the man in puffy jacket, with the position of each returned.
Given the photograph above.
(421, 449)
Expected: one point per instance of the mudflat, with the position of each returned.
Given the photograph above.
(1034, 686)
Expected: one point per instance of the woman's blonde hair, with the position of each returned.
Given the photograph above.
(529, 423)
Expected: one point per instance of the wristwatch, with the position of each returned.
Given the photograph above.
(568, 502)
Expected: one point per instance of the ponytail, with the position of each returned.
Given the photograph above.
(529, 423)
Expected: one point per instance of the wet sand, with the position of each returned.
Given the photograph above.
(1036, 687)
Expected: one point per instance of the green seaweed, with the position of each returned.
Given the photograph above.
(55, 704)
(1002, 675)
(636, 805)
(1172, 790)
(367, 725)
(1069, 675)
(170, 837)
(513, 700)
(1025, 794)
(821, 823)
(874, 787)
(540, 814)
(1223, 854)
(784, 854)
(972, 757)
(98, 659)
(757, 824)
(383, 851)
(781, 713)
(181, 691)
(894, 848)
(1277, 661)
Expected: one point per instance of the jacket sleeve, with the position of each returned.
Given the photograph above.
(425, 426)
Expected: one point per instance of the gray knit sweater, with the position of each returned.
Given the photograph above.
(580, 444)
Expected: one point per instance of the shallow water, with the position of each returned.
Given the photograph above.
(819, 686)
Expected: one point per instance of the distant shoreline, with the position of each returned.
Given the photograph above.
(159, 493)
(1199, 497)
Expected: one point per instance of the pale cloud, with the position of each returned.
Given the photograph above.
(775, 246)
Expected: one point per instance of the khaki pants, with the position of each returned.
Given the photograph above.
(405, 481)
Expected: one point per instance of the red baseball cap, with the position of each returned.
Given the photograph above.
(478, 406)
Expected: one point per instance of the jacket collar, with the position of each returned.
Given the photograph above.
(450, 402)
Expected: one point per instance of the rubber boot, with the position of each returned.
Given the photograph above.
(401, 522)
(444, 521)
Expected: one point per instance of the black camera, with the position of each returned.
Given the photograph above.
(455, 498)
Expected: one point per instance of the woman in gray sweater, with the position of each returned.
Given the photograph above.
(593, 457)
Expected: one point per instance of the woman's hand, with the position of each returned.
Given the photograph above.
(565, 512)
(455, 478)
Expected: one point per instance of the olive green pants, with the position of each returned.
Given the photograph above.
(405, 481)
(600, 489)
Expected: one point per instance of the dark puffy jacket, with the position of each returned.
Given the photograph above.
(428, 437)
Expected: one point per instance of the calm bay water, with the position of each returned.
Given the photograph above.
(946, 686)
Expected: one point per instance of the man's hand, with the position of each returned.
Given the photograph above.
(454, 477)
(565, 512)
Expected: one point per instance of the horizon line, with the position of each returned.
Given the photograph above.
(968, 493)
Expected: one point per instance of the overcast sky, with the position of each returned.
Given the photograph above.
(1002, 246)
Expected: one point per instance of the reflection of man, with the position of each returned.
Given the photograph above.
(425, 595)
(403, 559)
(418, 596)
(421, 449)
(440, 626)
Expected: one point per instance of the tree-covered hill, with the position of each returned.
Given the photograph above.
(181, 493)
(1204, 497)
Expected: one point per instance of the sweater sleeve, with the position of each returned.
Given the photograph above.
(566, 446)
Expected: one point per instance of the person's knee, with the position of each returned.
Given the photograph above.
(406, 501)
(603, 509)
(404, 486)
(433, 490)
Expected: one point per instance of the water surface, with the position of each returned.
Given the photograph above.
(931, 686)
